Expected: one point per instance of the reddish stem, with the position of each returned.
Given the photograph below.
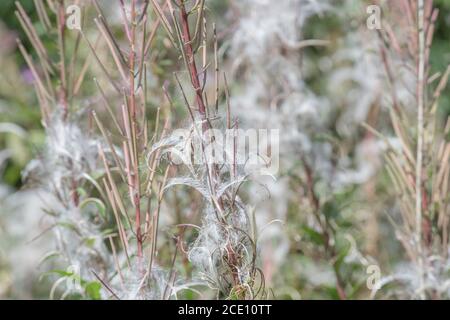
(61, 31)
(191, 60)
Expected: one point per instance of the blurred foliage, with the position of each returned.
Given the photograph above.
(18, 104)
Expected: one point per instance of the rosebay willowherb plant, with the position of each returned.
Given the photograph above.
(70, 165)
(66, 165)
(419, 166)
(225, 250)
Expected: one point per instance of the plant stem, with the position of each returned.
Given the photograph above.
(191, 62)
(420, 130)
(132, 103)
(61, 45)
